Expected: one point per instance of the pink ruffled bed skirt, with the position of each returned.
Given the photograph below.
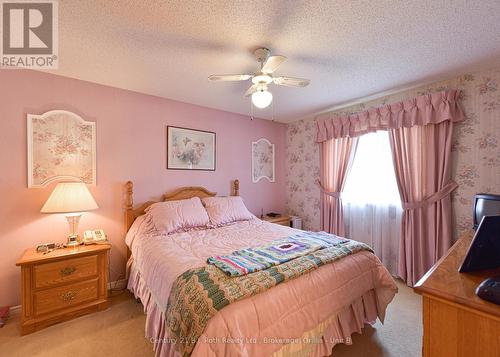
(315, 343)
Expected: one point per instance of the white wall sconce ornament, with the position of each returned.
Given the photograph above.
(263, 161)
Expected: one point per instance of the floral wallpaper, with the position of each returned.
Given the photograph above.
(475, 148)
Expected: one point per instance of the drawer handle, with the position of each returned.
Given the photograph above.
(68, 296)
(67, 271)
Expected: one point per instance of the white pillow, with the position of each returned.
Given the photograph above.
(224, 210)
(173, 216)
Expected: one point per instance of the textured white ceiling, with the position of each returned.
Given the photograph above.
(349, 49)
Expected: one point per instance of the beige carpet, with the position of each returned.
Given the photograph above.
(119, 331)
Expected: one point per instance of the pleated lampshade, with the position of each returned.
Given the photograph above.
(70, 197)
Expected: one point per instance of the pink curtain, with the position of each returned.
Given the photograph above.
(336, 157)
(420, 133)
(421, 156)
(426, 109)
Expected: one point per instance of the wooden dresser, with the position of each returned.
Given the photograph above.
(456, 322)
(284, 220)
(62, 284)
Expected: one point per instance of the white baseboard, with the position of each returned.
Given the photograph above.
(15, 308)
(117, 284)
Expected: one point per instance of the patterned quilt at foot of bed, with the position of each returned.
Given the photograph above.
(199, 293)
(250, 260)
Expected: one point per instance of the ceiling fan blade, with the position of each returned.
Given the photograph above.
(291, 81)
(251, 90)
(273, 63)
(229, 77)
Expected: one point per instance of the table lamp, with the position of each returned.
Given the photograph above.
(70, 198)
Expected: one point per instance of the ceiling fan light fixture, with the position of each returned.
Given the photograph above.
(262, 98)
(262, 78)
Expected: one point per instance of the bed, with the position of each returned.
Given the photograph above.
(304, 316)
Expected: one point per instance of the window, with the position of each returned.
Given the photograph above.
(372, 179)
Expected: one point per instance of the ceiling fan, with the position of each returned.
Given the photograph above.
(261, 97)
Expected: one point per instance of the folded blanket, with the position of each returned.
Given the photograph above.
(199, 293)
(250, 260)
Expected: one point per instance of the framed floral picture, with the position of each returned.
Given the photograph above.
(61, 147)
(190, 149)
(262, 160)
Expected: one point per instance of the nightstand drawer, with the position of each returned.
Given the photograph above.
(65, 271)
(281, 220)
(285, 222)
(65, 296)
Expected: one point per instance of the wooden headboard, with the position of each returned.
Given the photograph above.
(182, 193)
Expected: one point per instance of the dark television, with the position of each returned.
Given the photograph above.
(485, 204)
(484, 251)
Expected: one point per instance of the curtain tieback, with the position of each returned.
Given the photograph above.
(438, 196)
(326, 192)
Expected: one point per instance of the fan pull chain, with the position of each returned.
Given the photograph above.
(272, 108)
(251, 110)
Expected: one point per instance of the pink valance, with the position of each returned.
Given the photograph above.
(426, 109)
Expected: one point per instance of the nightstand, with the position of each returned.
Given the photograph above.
(284, 220)
(62, 284)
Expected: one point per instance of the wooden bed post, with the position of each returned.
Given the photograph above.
(236, 187)
(129, 201)
(129, 205)
(129, 213)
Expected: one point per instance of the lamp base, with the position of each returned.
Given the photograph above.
(73, 220)
(72, 241)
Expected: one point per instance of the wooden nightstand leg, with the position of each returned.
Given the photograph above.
(27, 325)
(104, 274)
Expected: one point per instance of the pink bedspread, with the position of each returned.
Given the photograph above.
(263, 324)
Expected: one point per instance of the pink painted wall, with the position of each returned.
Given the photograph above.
(131, 139)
